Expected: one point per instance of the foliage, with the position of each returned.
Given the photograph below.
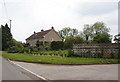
(13, 42)
(87, 31)
(102, 38)
(91, 31)
(56, 45)
(78, 40)
(15, 46)
(63, 53)
(6, 36)
(57, 60)
(15, 49)
(69, 41)
(99, 27)
(117, 38)
(65, 32)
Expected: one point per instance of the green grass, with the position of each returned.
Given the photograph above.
(56, 60)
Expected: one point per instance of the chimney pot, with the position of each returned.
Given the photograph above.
(52, 27)
(42, 30)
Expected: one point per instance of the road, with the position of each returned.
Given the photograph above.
(13, 72)
(80, 72)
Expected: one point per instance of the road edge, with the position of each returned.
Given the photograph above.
(41, 77)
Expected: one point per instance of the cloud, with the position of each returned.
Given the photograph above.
(33, 15)
(96, 8)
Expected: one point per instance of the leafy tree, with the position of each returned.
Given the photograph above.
(102, 38)
(13, 42)
(69, 41)
(66, 32)
(74, 32)
(117, 38)
(95, 30)
(6, 36)
(15, 46)
(78, 40)
(99, 27)
(87, 31)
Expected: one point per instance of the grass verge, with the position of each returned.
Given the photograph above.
(56, 60)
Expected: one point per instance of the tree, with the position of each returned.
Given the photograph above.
(117, 38)
(87, 31)
(6, 36)
(15, 46)
(93, 31)
(69, 41)
(78, 40)
(66, 32)
(74, 32)
(99, 27)
(102, 38)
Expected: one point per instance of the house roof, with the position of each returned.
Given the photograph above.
(38, 34)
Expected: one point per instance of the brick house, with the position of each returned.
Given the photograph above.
(43, 37)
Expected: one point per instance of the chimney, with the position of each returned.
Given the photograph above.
(34, 32)
(42, 30)
(52, 27)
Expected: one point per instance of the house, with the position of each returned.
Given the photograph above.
(43, 37)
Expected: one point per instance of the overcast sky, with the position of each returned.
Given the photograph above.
(33, 15)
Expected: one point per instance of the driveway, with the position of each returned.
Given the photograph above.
(79, 72)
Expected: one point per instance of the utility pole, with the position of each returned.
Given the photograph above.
(10, 24)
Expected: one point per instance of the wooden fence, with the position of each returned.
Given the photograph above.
(97, 50)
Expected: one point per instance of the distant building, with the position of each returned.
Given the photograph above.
(43, 37)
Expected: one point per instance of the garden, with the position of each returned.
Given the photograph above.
(57, 60)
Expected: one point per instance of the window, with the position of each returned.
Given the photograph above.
(52, 39)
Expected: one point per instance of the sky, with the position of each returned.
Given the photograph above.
(33, 15)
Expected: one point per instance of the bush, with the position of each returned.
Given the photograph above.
(26, 50)
(15, 49)
(56, 45)
(72, 54)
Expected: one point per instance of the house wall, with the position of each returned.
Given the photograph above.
(52, 36)
(32, 42)
(49, 37)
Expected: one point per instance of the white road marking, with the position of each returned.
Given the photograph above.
(28, 71)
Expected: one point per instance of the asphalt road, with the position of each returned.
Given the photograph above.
(80, 72)
(13, 72)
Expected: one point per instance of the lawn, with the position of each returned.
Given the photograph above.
(56, 60)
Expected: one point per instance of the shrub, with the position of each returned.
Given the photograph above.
(56, 45)
(15, 49)
(71, 53)
(26, 50)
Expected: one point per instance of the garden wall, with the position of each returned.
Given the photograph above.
(97, 50)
